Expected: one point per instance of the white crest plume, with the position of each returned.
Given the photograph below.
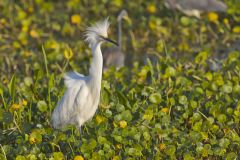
(94, 32)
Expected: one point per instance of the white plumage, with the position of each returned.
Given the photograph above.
(81, 98)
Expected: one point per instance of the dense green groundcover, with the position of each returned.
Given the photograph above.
(182, 103)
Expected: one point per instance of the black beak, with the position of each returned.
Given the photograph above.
(109, 40)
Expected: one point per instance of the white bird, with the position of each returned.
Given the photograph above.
(114, 56)
(80, 101)
(195, 7)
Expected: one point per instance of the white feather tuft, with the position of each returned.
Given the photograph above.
(99, 29)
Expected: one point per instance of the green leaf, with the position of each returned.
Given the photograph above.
(146, 136)
(231, 156)
(155, 98)
(170, 150)
(188, 156)
(224, 142)
(126, 115)
(104, 97)
(134, 152)
(185, 21)
(12, 87)
(148, 115)
(120, 107)
(7, 117)
(193, 104)
(197, 126)
(1, 91)
(31, 157)
(28, 81)
(20, 157)
(92, 144)
(102, 140)
(170, 72)
(51, 81)
(196, 116)
(183, 100)
(222, 118)
(201, 57)
(118, 138)
(2, 156)
(1, 114)
(42, 106)
(58, 156)
(226, 89)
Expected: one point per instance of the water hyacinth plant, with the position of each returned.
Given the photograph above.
(177, 97)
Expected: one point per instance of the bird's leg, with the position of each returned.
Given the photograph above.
(86, 130)
(80, 131)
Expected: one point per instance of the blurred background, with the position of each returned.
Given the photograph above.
(152, 29)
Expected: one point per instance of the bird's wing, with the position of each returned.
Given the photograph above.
(71, 78)
(65, 111)
(203, 5)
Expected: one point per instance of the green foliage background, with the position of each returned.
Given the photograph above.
(175, 106)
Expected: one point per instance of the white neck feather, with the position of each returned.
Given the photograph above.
(95, 71)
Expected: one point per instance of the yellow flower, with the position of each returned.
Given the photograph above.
(152, 24)
(183, 46)
(236, 29)
(30, 9)
(165, 110)
(151, 8)
(54, 45)
(24, 28)
(68, 54)
(162, 146)
(27, 53)
(118, 146)
(226, 21)
(148, 116)
(15, 106)
(5, 81)
(24, 102)
(99, 119)
(116, 158)
(203, 29)
(213, 17)
(3, 21)
(34, 33)
(78, 158)
(32, 140)
(76, 19)
(123, 124)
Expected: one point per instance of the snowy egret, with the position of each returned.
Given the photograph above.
(114, 56)
(80, 101)
(195, 7)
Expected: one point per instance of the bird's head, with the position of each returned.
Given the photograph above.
(98, 33)
(122, 15)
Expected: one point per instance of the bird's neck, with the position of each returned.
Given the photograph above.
(95, 71)
(120, 33)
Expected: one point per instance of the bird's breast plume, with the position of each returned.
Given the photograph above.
(98, 29)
